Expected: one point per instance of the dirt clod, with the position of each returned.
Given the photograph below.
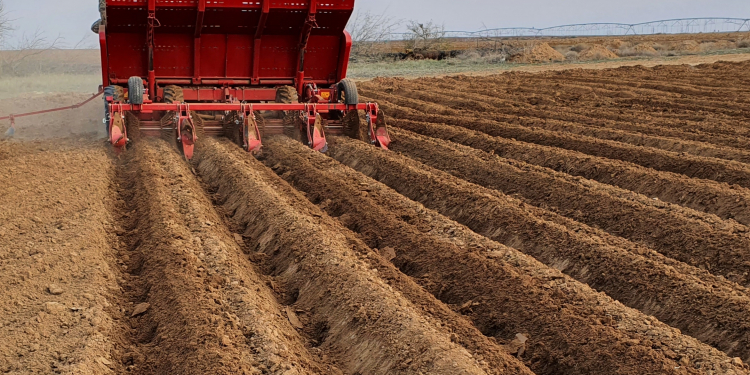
(140, 309)
(55, 290)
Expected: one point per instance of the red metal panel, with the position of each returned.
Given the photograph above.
(322, 54)
(278, 56)
(127, 55)
(213, 50)
(222, 46)
(104, 56)
(346, 50)
(173, 55)
(239, 56)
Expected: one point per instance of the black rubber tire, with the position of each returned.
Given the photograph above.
(135, 90)
(289, 95)
(95, 26)
(286, 95)
(347, 92)
(114, 92)
(173, 94)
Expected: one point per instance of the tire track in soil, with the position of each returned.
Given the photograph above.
(654, 152)
(674, 232)
(339, 282)
(639, 278)
(727, 202)
(503, 291)
(197, 306)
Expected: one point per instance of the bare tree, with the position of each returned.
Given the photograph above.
(368, 29)
(424, 36)
(5, 23)
(27, 46)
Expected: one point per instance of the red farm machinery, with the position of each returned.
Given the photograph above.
(244, 69)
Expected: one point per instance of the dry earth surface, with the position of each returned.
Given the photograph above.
(560, 222)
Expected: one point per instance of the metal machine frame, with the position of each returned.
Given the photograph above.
(229, 58)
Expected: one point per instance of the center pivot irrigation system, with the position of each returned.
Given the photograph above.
(243, 69)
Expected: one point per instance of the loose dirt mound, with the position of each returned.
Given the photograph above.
(685, 46)
(643, 49)
(536, 53)
(596, 52)
(616, 44)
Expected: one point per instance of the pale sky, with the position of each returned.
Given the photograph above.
(72, 19)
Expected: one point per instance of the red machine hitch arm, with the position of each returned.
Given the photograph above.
(13, 117)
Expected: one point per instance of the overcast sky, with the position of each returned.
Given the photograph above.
(72, 19)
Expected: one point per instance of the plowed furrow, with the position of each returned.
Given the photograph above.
(643, 280)
(718, 247)
(541, 94)
(692, 166)
(340, 284)
(680, 83)
(701, 195)
(482, 107)
(586, 108)
(718, 124)
(199, 306)
(730, 103)
(481, 278)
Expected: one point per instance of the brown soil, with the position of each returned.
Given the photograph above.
(537, 53)
(645, 48)
(469, 273)
(596, 52)
(209, 309)
(675, 232)
(57, 265)
(577, 222)
(686, 46)
(350, 308)
(634, 275)
(702, 195)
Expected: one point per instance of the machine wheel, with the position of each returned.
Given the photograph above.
(347, 92)
(95, 26)
(285, 95)
(173, 94)
(135, 90)
(288, 95)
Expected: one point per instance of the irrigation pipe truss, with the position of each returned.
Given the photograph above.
(673, 26)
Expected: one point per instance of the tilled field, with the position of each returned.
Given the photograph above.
(578, 222)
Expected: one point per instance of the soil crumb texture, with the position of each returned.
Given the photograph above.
(577, 222)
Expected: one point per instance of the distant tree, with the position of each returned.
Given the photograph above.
(368, 29)
(27, 46)
(424, 36)
(5, 24)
